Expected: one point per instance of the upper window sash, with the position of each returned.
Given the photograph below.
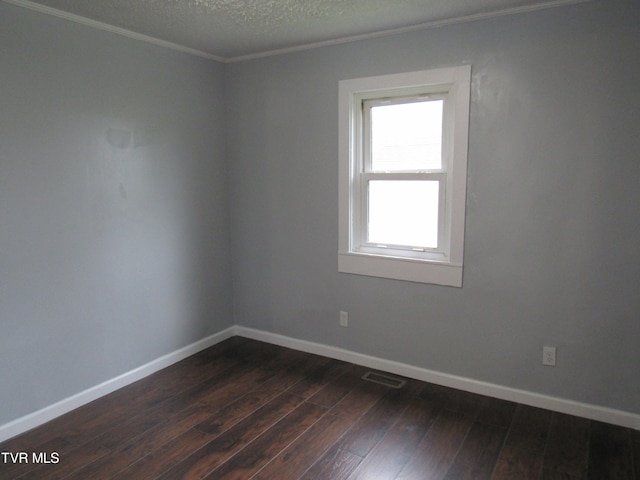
(366, 124)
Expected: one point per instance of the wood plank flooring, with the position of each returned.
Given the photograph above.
(249, 410)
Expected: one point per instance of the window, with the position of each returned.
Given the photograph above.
(403, 162)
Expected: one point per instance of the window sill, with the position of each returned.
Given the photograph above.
(411, 270)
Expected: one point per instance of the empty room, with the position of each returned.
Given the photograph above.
(319, 239)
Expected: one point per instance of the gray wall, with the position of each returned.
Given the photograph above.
(552, 225)
(114, 224)
(114, 239)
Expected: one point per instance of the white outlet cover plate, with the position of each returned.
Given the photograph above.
(549, 356)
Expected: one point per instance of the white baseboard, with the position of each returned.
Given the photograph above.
(585, 410)
(46, 414)
(593, 412)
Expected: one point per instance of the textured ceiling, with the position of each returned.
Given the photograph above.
(235, 29)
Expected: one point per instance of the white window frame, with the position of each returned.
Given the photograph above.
(444, 264)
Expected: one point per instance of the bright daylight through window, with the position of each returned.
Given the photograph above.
(403, 156)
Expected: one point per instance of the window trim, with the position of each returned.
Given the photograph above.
(444, 269)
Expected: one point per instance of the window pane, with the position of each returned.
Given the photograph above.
(403, 212)
(407, 136)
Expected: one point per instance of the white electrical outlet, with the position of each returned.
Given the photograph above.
(549, 356)
(344, 318)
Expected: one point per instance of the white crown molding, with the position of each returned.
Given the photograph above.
(112, 29)
(400, 30)
(298, 48)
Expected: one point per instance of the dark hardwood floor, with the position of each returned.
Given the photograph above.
(248, 410)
